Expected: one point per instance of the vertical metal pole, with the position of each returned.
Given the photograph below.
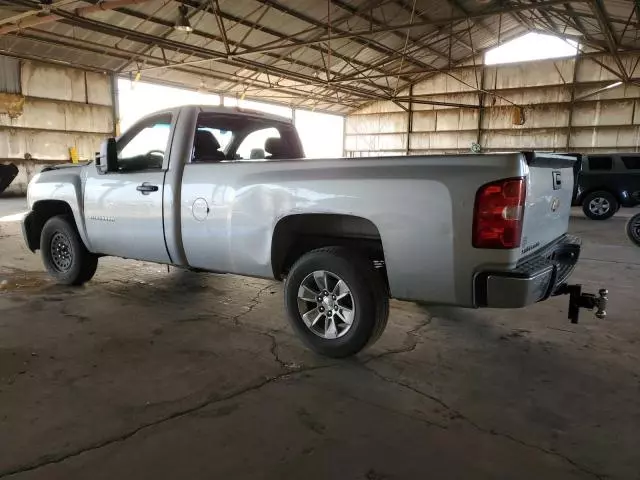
(329, 42)
(86, 89)
(410, 120)
(344, 136)
(576, 64)
(115, 107)
(481, 97)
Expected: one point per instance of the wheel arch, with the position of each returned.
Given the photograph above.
(297, 234)
(41, 211)
(616, 194)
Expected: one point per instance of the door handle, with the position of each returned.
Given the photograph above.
(146, 188)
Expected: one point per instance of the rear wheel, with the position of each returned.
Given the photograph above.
(600, 205)
(633, 229)
(64, 255)
(336, 301)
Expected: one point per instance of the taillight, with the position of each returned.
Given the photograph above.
(499, 208)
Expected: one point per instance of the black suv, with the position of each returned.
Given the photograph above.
(606, 182)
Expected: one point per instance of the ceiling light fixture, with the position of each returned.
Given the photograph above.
(613, 85)
(183, 23)
(600, 90)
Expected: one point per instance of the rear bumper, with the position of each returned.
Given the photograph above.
(534, 279)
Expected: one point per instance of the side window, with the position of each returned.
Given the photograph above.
(601, 163)
(255, 146)
(632, 163)
(145, 149)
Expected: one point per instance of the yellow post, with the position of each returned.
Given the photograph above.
(73, 155)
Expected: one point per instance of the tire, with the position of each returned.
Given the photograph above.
(633, 229)
(368, 301)
(600, 205)
(63, 253)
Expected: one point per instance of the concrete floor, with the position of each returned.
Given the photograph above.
(145, 373)
(12, 205)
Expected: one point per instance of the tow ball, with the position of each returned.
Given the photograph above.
(578, 300)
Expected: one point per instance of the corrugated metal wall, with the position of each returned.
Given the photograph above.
(63, 108)
(562, 113)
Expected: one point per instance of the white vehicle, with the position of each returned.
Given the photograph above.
(225, 190)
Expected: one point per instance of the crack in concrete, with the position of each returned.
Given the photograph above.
(274, 351)
(291, 370)
(608, 261)
(394, 411)
(253, 303)
(59, 458)
(459, 415)
(79, 318)
(47, 460)
(411, 342)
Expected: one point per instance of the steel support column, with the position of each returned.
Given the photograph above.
(115, 104)
(576, 65)
(409, 120)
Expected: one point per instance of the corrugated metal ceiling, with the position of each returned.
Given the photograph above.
(332, 55)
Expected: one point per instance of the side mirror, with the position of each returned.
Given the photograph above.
(107, 159)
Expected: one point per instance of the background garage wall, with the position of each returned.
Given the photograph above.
(562, 112)
(63, 107)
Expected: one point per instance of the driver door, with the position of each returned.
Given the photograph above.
(123, 209)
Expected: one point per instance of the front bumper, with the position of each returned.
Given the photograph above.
(534, 279)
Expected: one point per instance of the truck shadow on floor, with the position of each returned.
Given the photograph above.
(178, 286)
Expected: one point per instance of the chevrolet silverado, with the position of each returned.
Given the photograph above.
(229, 191)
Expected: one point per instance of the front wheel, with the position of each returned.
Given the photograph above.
(633, 229)
(64, 255)
(336, 301)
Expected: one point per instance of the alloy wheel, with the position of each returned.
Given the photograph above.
(326, 304)
(599, 206)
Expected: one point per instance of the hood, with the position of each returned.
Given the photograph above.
(63, 166)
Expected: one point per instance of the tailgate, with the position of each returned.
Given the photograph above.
(548, 205)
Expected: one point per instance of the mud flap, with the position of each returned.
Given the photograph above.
(31, 231)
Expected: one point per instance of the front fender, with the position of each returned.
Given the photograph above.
(64, 185)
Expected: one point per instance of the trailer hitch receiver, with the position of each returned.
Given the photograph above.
(578, 300)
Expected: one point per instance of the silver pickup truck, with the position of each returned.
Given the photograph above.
(227, 191)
